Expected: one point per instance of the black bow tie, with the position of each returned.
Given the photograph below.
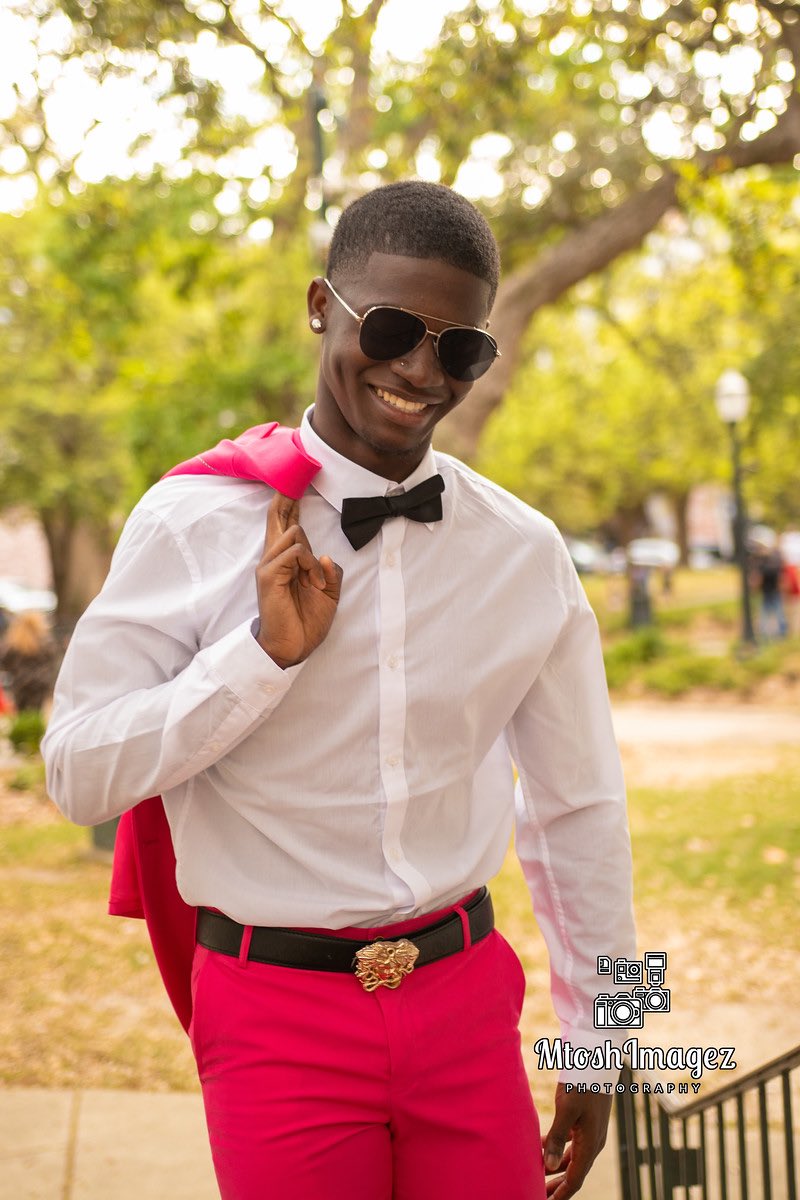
(362, 516)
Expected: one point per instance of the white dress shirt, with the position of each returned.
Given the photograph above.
(374, 781)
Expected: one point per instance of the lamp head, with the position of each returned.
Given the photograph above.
(732, 397)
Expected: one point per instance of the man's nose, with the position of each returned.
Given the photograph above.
(420, 367)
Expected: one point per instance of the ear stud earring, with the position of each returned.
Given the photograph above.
(316, 324)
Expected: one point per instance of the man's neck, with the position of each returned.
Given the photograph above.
(380, 462)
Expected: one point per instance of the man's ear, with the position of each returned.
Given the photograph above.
(317, 302)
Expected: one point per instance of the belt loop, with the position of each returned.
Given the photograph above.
(244, 949)
(465, 929)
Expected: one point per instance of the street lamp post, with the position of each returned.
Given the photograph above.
(732, 399)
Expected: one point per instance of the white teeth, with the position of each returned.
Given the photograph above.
(399, 402)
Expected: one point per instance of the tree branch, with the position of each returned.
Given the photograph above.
(590, 249)
(355, 134)
(234, 33)
(288, 23)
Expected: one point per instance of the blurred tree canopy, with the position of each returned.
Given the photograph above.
(761, 218)
(129, 342)
(595, 116)
(614, 396)
(578, 125)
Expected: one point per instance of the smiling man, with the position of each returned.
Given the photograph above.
(334, 747)
(382, 414)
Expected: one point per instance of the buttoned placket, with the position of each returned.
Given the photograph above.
(392, 705)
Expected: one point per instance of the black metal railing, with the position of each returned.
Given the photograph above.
(738, 1143)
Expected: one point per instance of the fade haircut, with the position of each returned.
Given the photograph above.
(418, 220)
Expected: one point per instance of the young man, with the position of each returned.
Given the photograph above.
(334, 742)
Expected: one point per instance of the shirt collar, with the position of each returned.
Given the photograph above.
(339, 477)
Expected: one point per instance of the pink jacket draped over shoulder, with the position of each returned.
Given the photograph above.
(143, 874)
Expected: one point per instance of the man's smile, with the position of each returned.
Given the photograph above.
(399, 404)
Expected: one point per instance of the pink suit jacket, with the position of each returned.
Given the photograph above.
(143, 875)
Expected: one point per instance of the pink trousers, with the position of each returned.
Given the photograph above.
(317, 1090)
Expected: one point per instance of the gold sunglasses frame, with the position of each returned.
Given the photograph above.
(421, 317)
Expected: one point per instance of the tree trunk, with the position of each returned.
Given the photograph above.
(80, 555)
(681, 502)
(627, 524)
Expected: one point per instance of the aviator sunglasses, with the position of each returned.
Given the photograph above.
(389, 332)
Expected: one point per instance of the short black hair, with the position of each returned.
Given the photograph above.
(419, 220)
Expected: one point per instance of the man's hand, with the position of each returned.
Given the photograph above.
(297, 593)
(583, 1119)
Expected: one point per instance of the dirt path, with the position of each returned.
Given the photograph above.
(726, 989)
(667, 745)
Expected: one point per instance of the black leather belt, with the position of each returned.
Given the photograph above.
(320, 952)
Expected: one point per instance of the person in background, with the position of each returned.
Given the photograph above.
(768, 578)
(29, 657)
(790, 584)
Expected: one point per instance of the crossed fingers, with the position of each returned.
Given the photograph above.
(286, 539)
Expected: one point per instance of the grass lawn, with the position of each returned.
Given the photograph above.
(694, 642)
(81, 1003)
(715, 592)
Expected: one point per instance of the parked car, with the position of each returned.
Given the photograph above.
(653, 552)
(16, 597)
(589, 557)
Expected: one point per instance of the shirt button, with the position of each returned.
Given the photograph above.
(394, 855)
(390, 560)
(267, 688)
(392, 760)
(393, 661)
(215, 746)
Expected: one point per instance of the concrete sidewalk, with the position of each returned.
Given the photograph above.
(116, 1145)
(103, 1145)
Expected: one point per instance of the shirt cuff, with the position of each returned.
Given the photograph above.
(241, 665)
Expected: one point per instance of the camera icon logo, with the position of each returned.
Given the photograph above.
(627, 970)
(625, 1010)
(622, 1010)
(653, 999)
(655, 964)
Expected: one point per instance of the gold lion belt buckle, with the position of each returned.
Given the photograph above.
(385, 964)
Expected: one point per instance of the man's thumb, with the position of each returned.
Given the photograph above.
(554, 1146)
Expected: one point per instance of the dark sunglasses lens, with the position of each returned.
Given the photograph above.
(466, 354)
(390, 333)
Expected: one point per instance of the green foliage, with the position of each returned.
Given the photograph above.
(759, 216)
(623, 656)
(769, 660)
(615, 398)
(27, 730)
(655, 662)
(235, 353)
(30, 778)
(138, 322)
(129, 342)
(568, 87)
(684, 670)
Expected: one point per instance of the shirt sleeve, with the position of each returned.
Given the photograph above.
(572, 834)
(139, 706)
